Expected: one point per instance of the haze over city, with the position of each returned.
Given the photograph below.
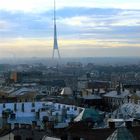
(91, 28)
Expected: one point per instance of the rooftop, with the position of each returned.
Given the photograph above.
(88, 113)
(114, 94)
(121, 133)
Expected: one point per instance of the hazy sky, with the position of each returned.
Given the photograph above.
(85, 28)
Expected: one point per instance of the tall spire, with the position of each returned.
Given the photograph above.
(55, 43)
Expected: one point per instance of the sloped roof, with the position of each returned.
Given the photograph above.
(49, 138)
(66, 91)
(6, 137)
(88, 113)
(22, 91)
(130, 109)
(121, 134)
(114, 94)
(91, 97)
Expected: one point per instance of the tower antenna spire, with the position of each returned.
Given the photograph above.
(55, 43)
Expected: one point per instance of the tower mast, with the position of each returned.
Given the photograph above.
(55, 43)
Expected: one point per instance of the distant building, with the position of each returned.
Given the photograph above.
(28, 76)
(13, 76)
(98, 84)
(82, 82)
(116, 98)
(90, 97)
(66, 91)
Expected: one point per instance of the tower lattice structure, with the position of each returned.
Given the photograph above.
(55, 43)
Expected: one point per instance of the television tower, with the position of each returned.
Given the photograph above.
(55, 43)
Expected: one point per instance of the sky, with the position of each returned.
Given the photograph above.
(86, 28)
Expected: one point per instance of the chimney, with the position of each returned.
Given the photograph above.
(16, 125)
(118, 89)
(37, 127)
(128, 124)
(15, 107)
(34, 124)
(123, 89)
(38, 114)
(23, 126)
(22, 107)
(28, 126)
(9, 126)
(93, 91)
(98, 90)
(111, 125)
(17, 137)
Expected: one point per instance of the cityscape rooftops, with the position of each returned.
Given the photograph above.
(27, 112)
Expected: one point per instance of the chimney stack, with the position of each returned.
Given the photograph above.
(111, 125)
(118, 89)
(128, 124)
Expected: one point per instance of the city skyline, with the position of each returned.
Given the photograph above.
(85, 29)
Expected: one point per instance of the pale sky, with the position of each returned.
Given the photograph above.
(86, 28)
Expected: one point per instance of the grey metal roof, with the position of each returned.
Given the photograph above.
(121, 134)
